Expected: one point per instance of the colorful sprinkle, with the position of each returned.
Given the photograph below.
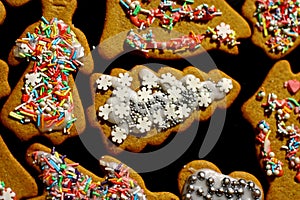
(202, 12)
(222, 33)
(283, 109)
(279, 21)
(47, 97)
(65, 181)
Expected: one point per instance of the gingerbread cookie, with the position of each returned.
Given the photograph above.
(201, 179)
(141, 107)
(274, 24)
(171, 29)
(64, 179)
(273, 112)
(46, 99)
(4, 85)
(16, 3)
(15, 181)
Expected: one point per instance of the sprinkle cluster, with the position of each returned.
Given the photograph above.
(202, 12)
(222, 33)
(160, 102)
(283, 109)
(65, 181)
(208, 184)
(278, 19)
(6, 193)
(47, 96)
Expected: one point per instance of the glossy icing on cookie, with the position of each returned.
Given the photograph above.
(209, 184)
(160, 102)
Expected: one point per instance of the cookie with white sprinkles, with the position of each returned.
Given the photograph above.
(139, 107)
(200, 179)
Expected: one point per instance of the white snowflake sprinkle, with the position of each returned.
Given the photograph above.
(158, 118)
(7, 194)
(223, 30)
(125, 79)
(121, 93)
(168, 78)
(193, 83)
(170, 111)
(121, 110)
(104, 82)
(104, 111)
(150, 81)
(144, 124)
(33, 79)
(118, 135)
(144, 94)
(225, 85)
(204, 99)
(174, 93)
(183, 111)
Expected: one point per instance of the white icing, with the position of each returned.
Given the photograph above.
(190, 190)
(161, 102)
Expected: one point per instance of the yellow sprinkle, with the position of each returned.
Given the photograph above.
(71, 97)
(15, 115)
(66, 92)
(211, 30)
(70, 69)
(62, 102)
(265, 27)
(25, 113)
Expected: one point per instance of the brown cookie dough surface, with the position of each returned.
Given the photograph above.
(4, 85)
(285, 184)
(14, 175)
(117, 25)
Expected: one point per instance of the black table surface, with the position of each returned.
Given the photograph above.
(234, 151)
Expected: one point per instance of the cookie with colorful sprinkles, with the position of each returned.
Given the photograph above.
(171, 29)
(275, 25)
(46, 102)
(273, 112)
(201, 179)
(140, 107)
(64, 179)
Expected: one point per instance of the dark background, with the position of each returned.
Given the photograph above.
(234, 150)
